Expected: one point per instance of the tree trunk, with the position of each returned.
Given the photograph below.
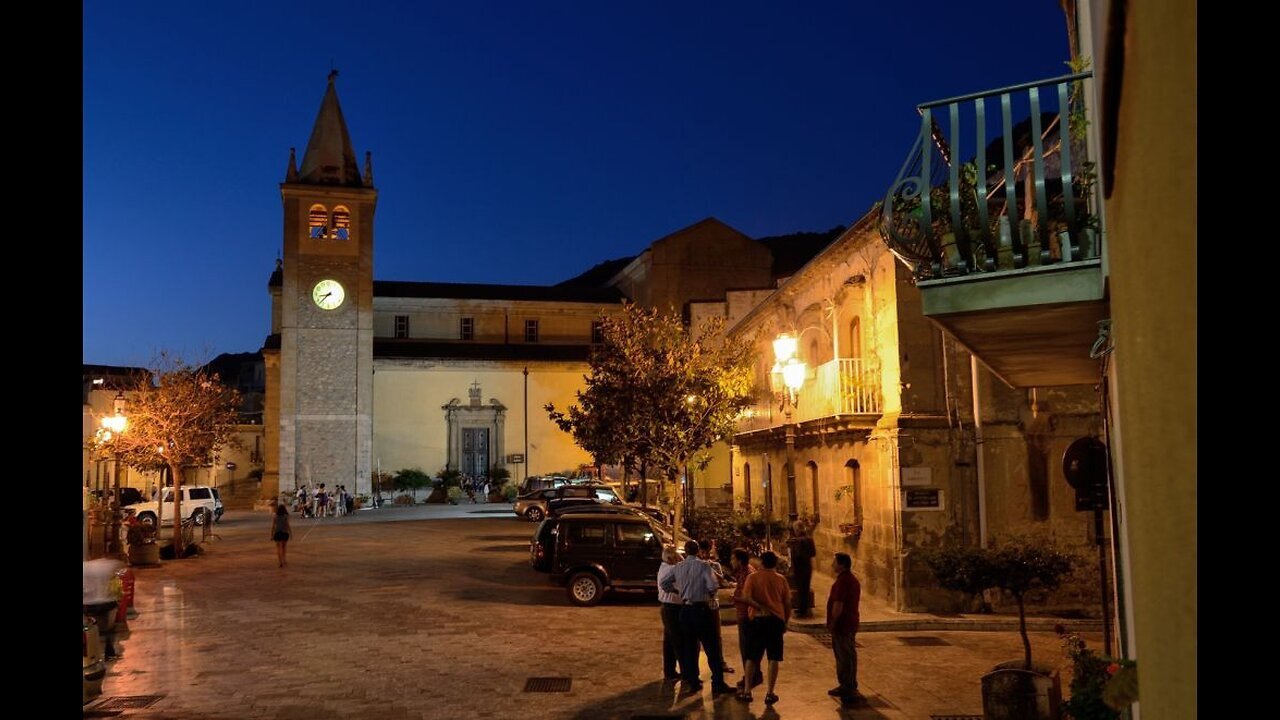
(176, 473)
(1022, 628)
(644, 486)
(679, 498)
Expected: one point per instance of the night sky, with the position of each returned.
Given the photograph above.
(513, 142)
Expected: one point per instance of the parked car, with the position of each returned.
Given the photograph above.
(95, 666)
(533, 506)
(658, 517)
(128, 495)
(550, 482)
(594, 553)
(197, 500)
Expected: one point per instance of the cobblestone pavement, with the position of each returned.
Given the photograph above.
(418, 612)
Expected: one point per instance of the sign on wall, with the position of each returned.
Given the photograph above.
(923, 499)
(515, 458)
(917, 476)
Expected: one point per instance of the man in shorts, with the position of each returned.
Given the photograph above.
(769, 597)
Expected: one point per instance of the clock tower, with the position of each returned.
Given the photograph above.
(320, 353)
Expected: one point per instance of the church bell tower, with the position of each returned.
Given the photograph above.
(322, 316)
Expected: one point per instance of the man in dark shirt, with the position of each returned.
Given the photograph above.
(802, 551)
(842, 623)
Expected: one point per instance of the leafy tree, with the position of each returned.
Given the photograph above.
(179, 419)
(659, 394)
(1017, 567)
(411, 479)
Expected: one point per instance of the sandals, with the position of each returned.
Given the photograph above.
(744, 696)
(770, 699)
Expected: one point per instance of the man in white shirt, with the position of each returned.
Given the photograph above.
(672, 640)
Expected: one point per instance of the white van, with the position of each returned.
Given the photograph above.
(196, 501)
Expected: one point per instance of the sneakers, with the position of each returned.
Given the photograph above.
(744, 696)
(770, 698)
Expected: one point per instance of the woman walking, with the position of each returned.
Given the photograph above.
(280, 531)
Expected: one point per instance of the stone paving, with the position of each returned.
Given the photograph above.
(433, 612)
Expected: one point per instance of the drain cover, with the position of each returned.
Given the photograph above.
(548, 684)
(923, 641)
(825, 639)
(128, 702)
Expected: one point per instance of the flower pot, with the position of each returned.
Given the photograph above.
(1011, 693)
(144, 554)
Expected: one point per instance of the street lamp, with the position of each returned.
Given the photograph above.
(113, 426)
(788, 375)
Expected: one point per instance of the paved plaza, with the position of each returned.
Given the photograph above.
(434, 612)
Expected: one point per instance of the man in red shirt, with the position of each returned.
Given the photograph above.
(842, 622)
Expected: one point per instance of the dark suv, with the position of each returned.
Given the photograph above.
(591, 553)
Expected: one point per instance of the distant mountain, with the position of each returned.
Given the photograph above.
(598, 275)
(791, 252)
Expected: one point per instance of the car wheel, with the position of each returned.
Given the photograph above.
(197, 517)
(148, 519)
(585, 589)
(535, 514)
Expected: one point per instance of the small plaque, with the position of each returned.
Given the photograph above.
(923, 499)
(917, 476)
(515, 459)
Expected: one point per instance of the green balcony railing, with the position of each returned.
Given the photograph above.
(1027, 198)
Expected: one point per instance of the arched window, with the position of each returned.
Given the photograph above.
(855, 338)
(813, 484)
(341, 223)
(853, 488)
(746, 484)
(814, 361)
(318, 221)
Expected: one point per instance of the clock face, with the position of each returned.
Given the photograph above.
(328, 294)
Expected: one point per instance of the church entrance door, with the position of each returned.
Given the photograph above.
(475, 452)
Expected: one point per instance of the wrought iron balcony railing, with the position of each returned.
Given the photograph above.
(1026, 199)
(844, 386)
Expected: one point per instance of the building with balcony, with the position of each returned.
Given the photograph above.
(1068, 255)
(880, 432)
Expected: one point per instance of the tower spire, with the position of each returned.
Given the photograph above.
(329, 159)
(291, 173)
(368, 168)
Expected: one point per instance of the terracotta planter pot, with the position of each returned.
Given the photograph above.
(144, 554)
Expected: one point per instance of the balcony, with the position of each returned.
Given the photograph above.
(842, 387)
(1006, 246)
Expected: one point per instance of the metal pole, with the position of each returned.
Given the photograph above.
(768, 503)
(526, 421)
(114, 547)
(1102, 578)
(791, 467)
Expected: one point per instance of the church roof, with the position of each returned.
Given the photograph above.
(479, 291)
(329, 159)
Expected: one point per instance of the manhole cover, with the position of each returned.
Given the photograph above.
(825, 639)
(548, 684)
(129, 702)
(923, 641)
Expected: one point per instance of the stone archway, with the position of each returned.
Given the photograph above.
(475, 434)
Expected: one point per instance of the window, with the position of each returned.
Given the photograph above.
(746, 484)
(635, 535)
(341, 223)
(607, 495)
(813, 484)
(855, 338)
(200, 494)
(584, 534)
(402, 326)
(531, 331)
(468, 330)
(318, 221)
(853, 488)
(597, 332)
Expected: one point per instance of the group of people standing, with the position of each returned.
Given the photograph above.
(762, 602)
(324, 503)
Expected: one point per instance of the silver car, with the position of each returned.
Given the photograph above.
(533, 506)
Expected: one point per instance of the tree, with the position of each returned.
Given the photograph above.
(1017, 567)
(411, 479)
(180, 418)
(658, 393)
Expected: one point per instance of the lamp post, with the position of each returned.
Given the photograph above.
(112, 427)
(788, 375)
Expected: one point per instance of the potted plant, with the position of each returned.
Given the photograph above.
(498, 477)
(143, 549)
(454, 494)
(853, 528)
(1101, 687)
(1014, 690)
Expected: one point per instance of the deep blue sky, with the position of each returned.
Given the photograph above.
(513, 142)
